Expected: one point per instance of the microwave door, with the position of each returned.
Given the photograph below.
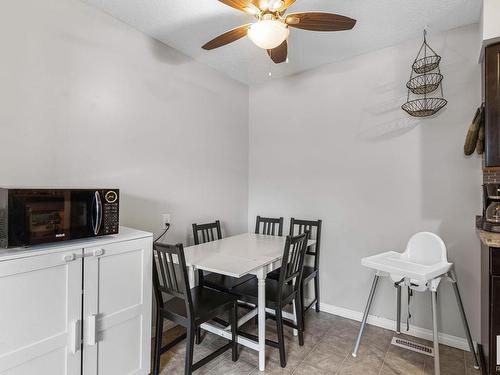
(85, 213)
(46, 217)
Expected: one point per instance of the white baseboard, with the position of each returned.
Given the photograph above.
(424, 333)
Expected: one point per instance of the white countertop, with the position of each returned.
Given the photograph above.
(125, 234)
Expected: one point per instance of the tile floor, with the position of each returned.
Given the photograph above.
(328, 343)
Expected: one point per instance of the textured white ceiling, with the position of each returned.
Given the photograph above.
(187, 24)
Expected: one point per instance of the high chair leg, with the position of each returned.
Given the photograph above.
(398, 313)
(365, 315)
(464, 318)
(437, 370)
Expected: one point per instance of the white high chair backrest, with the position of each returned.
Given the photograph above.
(426, 248)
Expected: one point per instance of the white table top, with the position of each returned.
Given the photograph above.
(237, 255)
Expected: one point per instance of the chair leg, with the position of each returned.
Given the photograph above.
(300, 319)
(198, 336)
(316, 290)
(281, 337)
(188, 365)
(302, 304)
(158, 339)
(233, 318)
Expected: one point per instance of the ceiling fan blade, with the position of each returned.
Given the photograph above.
(318, 21)
(279, 54)
(247, 6)
(228, 37)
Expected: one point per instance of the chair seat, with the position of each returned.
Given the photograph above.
(248, 292)
(223, 282)
(207, 304)
(308, 273)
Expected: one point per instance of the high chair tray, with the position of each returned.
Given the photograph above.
(394, 263)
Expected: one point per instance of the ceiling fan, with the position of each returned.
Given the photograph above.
(271, 29)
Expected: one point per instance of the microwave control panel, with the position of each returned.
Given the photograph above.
(111, 212)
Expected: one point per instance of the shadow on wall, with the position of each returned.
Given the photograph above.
(386, 95)
(166, 54)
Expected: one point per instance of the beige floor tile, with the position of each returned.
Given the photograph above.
(325, 358)
(368, 364)
(403, 361)
(329, 341)
(469, 364)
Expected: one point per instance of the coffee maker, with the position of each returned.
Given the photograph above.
(491, 208)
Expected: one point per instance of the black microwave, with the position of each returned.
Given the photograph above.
(36, 216)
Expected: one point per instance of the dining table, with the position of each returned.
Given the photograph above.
(237, 256)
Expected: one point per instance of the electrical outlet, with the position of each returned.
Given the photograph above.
(165, 219)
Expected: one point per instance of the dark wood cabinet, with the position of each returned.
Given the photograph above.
(492, 101)
(490, 308)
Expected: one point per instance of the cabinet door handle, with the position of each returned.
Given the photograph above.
(69, 258)
(75, 337)
(91, 330)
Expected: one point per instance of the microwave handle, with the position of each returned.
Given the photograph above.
(97, 219)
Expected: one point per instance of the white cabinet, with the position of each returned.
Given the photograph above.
(83, 308)
(117, 309)
(40, 311)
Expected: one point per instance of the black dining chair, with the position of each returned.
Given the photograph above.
(281, 292)
(187, 307)
(311, 272)
(208, 232)
(269, 225)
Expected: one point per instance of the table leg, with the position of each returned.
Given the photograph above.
(192, 276)
(295, 332)
(261, 282)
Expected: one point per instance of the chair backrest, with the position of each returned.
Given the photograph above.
(298, 226)
(269, 225)
(206, 232)
(425, 248)
(170, 275)
(292, 263)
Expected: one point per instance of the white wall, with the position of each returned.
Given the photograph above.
(85, 100)
(333, 143)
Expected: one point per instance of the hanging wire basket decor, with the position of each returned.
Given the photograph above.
(425, 78)
(425, 83)
(424, 107)
(426, 64)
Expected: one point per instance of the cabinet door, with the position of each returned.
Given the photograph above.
(494, 357)
(40, 314)
(492, 98)
(117, 308)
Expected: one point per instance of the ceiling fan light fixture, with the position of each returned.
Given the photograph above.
(252, 9)
(276, 5)
(268, 34)
(264, 4)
